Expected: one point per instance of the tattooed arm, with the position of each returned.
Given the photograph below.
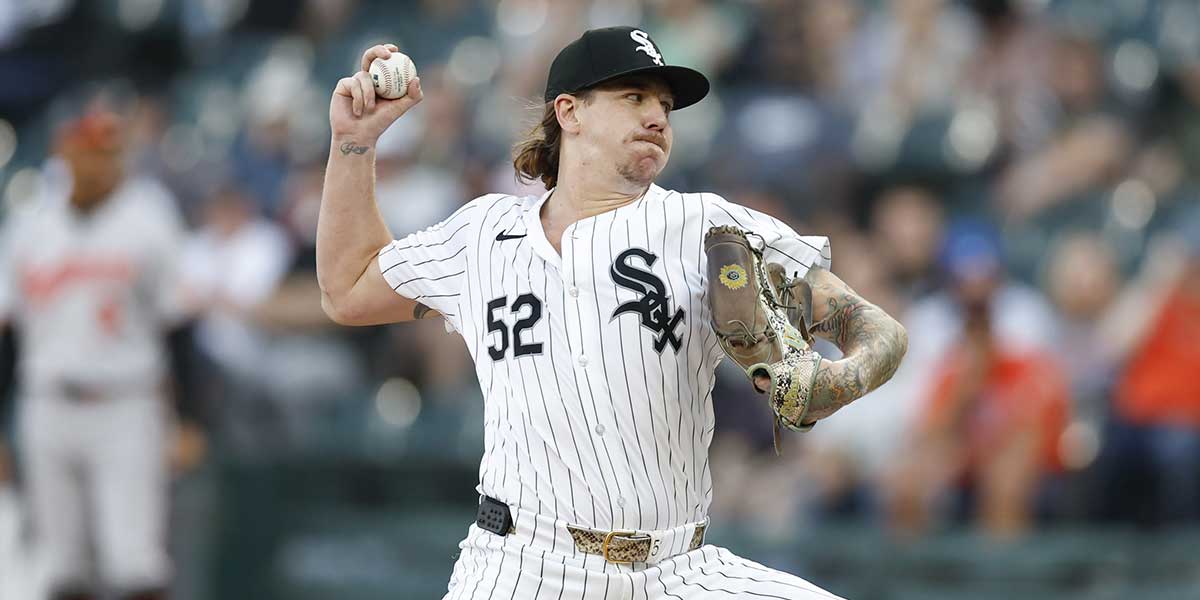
(350, 229)
(871, 341)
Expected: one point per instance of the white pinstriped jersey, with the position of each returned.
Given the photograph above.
(596, 366)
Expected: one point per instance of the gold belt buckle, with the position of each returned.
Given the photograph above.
(608, 540)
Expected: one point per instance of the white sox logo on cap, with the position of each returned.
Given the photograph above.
(643, 38)
(601, 55)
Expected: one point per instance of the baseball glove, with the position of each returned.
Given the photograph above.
(761, 319)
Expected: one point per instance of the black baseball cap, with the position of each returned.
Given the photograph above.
(600, 55)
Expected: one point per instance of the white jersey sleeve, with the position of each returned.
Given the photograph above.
(797, 253)
(429, 266)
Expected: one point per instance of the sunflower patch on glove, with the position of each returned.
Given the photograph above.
(761, 318)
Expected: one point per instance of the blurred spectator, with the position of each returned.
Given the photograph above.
(970, 265)
(303, 364)
(827, 31)
(1087, 145)
(996, 408)
(906, 224)
(1008, 75)
(972, 261)
(1082, 278)
(260, 161)
(235, 261)
(1153, 443)
(992, 425)
(909, 57)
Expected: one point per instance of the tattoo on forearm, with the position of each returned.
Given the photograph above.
(840, 314)
(872, 344)
(351, 147)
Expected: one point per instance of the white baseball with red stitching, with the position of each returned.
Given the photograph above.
(391, 75)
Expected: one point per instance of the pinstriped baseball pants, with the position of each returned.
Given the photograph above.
(539, 562)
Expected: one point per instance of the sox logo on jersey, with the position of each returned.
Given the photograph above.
(654, 305)
(589, 420)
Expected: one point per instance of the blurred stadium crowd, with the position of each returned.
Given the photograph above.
(1016, 179)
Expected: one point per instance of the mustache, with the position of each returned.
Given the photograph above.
(653, 137)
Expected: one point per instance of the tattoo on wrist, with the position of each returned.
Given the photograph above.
(872, 344)
(841, 312)
(352, 147)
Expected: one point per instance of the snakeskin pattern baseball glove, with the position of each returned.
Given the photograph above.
(761, 318)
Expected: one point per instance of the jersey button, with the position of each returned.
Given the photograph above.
(621, 501)
(599, 429)
(583, 361)
(574, 292)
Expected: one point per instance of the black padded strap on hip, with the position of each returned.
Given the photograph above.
(494, 516)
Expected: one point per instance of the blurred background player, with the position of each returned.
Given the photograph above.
(90, 284)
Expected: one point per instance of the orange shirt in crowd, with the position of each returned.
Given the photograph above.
(1018, 391)
(1161, 383)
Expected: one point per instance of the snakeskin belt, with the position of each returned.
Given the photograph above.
(624, 546)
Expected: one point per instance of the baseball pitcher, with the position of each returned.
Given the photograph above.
(596, 314)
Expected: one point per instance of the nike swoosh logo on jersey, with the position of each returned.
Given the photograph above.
(504, 235)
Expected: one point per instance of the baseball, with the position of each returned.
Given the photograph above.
(391, 75)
